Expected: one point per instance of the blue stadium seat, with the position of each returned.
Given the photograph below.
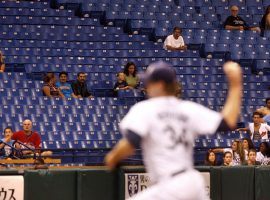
(254, 2)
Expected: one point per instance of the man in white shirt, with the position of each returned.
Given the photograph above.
(175, 42)
(165, 128)
(257, 129)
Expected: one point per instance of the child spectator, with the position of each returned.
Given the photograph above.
(175, 42)
(8, 151)
(227, 159)
(263, 154)
(121, 83)
(131, 75)
(210, 159)
(252, 158)
(64, 86)
(257, 129)
(237, 151)
(49, 89)
(2, 62)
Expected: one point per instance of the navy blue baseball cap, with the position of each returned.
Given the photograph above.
(160, 71)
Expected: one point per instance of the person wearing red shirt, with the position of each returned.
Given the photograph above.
(28, 137)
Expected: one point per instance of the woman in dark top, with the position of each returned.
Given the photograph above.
(49, 89)
(265, 23)
(2, 62)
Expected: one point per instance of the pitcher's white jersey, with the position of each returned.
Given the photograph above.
(167, 127)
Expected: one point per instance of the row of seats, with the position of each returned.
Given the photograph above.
(79, 135)
(72, 37)
(188, 67)
(89, 144)
(103, 144)
(24, 4)
(44, 20)
(36, 92)
(37, 109)
(83, 118)
(219, 143)
(77, 45)
(148, 7)
(110, 78)
(63, 109)
(67, 126)
(44, 12)
(224, 2)
(41, 29)
(40, 100)
(99, 53)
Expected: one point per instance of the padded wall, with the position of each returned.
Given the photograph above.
(227, 183)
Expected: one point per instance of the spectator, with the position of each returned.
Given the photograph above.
(237, 151)
(210, 159)
(80, 88)
(64, 86)
(265, 111)
(227, 159)
(121, 83)
(28, 137)
(235, 22)
(247, 144)
(265, 22)
(263, 155)
(2, 62)
(175, 42)
(178, 91)
(8, 151)
(252, 158)
(49, 89)
(257, 129)
(131, 75)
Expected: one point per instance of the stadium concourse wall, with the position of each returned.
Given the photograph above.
(226, 183)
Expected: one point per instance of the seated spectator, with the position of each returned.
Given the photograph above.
(263, 155)
(28, 137)
(237, 151)
(252, 158)
(235, 22)
(175, 42)
(247, 145)
(265, 111)
(8, 151)
(64, 86)
(121, 83)
(49, 89)
(265, 22)
(2, 62)
(227, 159)
(210, 159)
(80, 88)
(256, 129)
(132, 78)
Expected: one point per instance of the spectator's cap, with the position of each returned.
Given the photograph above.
(160, 71)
